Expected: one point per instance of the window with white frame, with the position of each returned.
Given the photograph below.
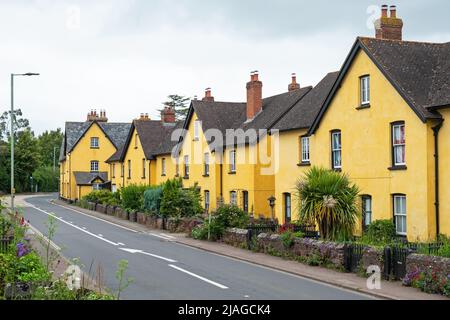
(305, 149)
(186, 166)
(233, 198)
(197, 125)
(287, 207)
(365, 90)
(400, 214)
(206, 162)
(367, 210)
(95, 143)
(336, 149)
(163, 166)
(399, 144)
(129, 169)
(207, 200)
(233, 161)
(94, 166)
(96, 187)
(122, 170)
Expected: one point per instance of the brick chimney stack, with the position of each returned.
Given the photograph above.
(93, 116)
(168, 115)
(389, 27)
(208, 96)
(254, 96)
(294, 85)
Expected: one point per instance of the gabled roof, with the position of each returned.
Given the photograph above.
(225, 116)
(419, 71)
(155, 137)
(87, 178)
(302, 115)
(75, 131)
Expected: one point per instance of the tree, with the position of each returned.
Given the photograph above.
(180, 105)
(46, 179)
(48, 143)
(26, 159)
(329, 200)
(20, 123)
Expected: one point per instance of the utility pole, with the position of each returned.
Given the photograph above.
(13, 189)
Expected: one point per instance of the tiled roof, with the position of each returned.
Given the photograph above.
(86, 178)
(302, 115)
(171, 140)
(74, 131)
(420, 70)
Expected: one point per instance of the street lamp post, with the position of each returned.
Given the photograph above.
(13, 190)
(272, 200)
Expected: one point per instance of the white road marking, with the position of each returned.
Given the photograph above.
(221, 286)
(84, 228)
(121, 244)
(36, 231)
(133, 251)
(92, 217)
(78, 228)
(160, 236)
(101, 236)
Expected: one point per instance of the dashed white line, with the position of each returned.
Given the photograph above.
(133, 251)
(221, 286)
(78, 228)
(92, 217)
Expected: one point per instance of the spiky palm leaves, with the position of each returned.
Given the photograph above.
(330, 201)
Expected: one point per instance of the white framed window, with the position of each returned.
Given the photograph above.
(399, 144)
(95, 143)
(163, 166)
(336, 149)
(197, 125)
(96, 187)
(305, 150)
(400, 214)
(186, 166)
(207, 200)
(206, 161)
(365, 90)
(233, 198)
(113, 188)
(129, 169)
(94, 166)
(367, 210)
(233, 161)
(122, 170)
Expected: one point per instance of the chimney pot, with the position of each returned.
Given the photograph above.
(293, 85)
(208, 96)
(384, 11)
(393, 11)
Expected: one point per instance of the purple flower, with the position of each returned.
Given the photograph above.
(22, 250)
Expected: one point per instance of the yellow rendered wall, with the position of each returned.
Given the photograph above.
(116, 175)
(135, 153)
(444, 173)
(170, 168)
(366, 143)
(289, 172)
(79, 160)
(196, 150)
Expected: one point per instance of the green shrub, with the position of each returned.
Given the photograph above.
(177, 202)
(46, 178)
(29, 268)
(226, 216)
(380, 232)
(104, 197)
(152, 200)
(133, 197)
(288, 239)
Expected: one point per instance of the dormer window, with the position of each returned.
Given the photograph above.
(197, 125)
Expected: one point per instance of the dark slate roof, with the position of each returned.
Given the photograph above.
(302, 115)
(420, 70)
(74, 131)
(86, 178)
(233, 116)
(168, 144)
(274, 108)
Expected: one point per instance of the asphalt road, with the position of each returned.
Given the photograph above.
(163, 269)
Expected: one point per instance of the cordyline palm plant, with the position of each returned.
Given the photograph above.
(330, 201)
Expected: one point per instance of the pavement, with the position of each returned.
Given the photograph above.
(172, 266)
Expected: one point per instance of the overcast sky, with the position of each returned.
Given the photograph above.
(126, 56)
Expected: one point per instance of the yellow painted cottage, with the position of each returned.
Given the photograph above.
(85, 148)
(384, 123)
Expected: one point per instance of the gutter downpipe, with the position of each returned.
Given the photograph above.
(436, 130)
